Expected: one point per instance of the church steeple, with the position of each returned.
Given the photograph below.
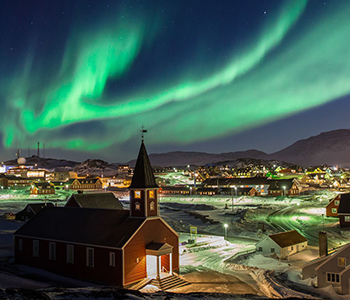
(143, 188)
(143, 173)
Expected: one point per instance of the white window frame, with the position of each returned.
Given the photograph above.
(70, 254)
(52, 251)
(20, 245)
(88, 264)
(112, 259)
(35, 248)
(334, 210)
(346, 218)
(336, 275)
(336, 202)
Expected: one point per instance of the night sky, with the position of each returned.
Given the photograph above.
(211, 76)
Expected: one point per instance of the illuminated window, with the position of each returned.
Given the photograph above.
(151, 194)
(137, 194)
(341, 262)
(137, 206)
(151, 206)
(347, 218)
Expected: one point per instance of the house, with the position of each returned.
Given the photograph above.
(183, 190)
(332, 206)
(94, 200)
(61, 176)
(282, 244)
(283, 187)
(84, 184)
(206, 191)
(344, 210)
(31, 210)
(111, 246)
(331, 270)
(238, 191)
(42, 188)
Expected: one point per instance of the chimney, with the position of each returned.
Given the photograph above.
(322, 242)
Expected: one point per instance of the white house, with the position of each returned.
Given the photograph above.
(332, 270)
(282, 244)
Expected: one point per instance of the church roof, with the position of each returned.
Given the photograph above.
(102, 227)
(97, 200)
(143, 173)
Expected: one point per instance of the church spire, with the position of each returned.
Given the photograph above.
(143, 173)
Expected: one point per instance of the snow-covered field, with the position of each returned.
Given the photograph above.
(214, 264)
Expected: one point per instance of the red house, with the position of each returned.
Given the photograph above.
(112, 246)
(332, 206)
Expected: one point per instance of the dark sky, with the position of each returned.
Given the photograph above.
(212, 76)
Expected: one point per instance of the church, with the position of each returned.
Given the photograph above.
(111, 246)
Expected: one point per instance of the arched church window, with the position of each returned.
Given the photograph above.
(151, 205)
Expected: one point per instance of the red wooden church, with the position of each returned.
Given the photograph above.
(112, 246)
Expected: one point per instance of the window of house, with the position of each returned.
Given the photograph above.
(52, 251)
(151, 205)
(137, 194)
(20, 245)
(260, 249)
(272, 250)
(137, 206)
(151, 194)
(341, 262)
(334, 210)
(336, 202)
(111, 259)
(70, 254)
(347, 218)
(35, 248)
(90, 257)
(332, 277)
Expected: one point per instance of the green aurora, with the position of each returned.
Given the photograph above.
(286, 65)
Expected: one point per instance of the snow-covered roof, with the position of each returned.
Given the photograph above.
(288, 238)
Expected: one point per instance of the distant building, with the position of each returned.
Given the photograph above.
(31, 210)
(61, 176)
(282, 244)
(84, 184)
(42, 188)
(180, 190)
(332, 206)
(283, 187)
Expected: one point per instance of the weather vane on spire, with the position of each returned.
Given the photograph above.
(143, 130)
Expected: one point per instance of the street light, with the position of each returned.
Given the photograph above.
(284, 191)
(225, 236)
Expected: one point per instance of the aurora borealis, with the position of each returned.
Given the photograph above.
(83, 76)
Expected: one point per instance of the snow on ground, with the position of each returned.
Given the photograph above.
(207, 264)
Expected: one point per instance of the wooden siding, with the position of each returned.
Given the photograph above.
(135, 251)
(101, 272)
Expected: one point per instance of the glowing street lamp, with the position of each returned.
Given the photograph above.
(284, 191)
(225, 236)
